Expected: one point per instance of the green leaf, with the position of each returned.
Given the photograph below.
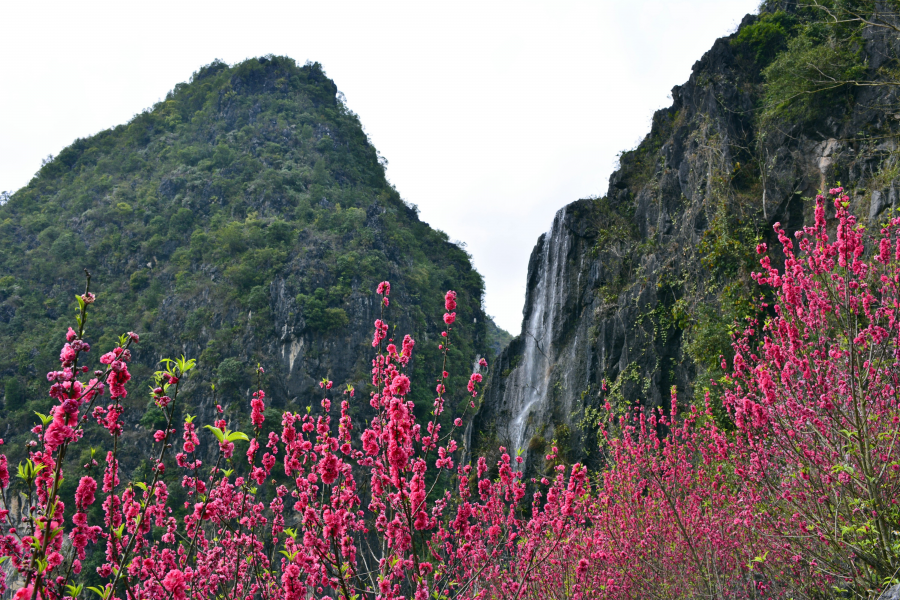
(237, 435)
(29, 470)
(186, 364)
(217, 432)
(102, 592)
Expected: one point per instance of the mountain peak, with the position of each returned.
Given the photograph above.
(244, 219)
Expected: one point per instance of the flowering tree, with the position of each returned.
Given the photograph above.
(357, 517)
(816, 403)
(798, 499)
(669, 510)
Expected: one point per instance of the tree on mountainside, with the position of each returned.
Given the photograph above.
(814, 54)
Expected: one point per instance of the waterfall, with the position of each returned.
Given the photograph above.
(527, 398)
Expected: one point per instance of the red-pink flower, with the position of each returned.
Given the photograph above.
(400, 385)
(258, 407)
(175, 584)
(329, 468)
(67, 355)
(450, 300)
(84, 494)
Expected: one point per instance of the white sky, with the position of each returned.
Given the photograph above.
(493, 115)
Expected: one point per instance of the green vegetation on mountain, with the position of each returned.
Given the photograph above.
(244, 213)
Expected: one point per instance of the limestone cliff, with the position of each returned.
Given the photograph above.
(636, 289)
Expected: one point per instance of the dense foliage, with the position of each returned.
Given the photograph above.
(246, 210)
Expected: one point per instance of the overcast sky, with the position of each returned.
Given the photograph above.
(492, 115)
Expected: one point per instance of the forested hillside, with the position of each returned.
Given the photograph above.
(245, 219)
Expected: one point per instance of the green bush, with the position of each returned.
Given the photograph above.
(280, 232)
(765, 38)
(14, 393)
(230, 374)
(139, 280)
(258, 298)
(67, 246)
(153, 418)
(318, 316)
(817, 69)
(182, 220)
(196, 321)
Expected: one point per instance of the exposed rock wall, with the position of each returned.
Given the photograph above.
(623, 289)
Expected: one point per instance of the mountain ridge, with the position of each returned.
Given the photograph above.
(244, 219)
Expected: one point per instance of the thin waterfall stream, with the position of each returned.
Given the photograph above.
(528, 395)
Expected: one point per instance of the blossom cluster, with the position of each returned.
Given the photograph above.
(252, 528)
(795, 497)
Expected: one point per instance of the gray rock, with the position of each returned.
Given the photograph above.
(878, 203)
(892, 593)
(610, 280)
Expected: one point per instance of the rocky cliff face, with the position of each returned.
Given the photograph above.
(635, 291)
